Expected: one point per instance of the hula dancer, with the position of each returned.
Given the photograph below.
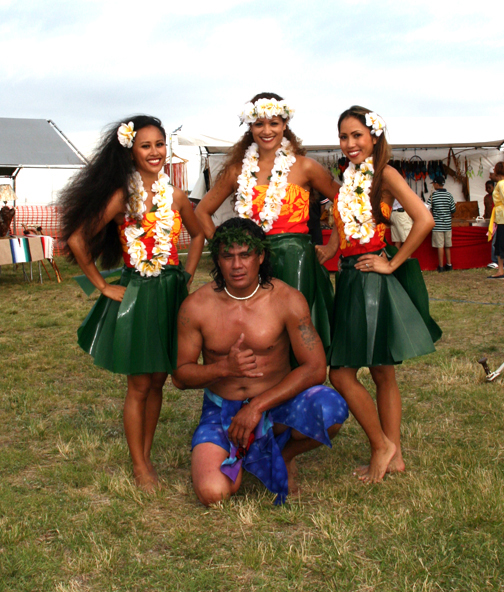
(376, 322)
(122, 203)
(271, 178)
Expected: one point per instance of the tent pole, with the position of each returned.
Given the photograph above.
(171, 152)
(14, 175)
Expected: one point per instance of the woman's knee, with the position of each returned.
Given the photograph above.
(158, 379)
(383, 375)
(342, 380)
(139, 386)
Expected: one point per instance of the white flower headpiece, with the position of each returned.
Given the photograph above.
(376, 123)
(265, 108)
(126, 135)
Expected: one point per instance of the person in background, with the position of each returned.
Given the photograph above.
(442, 206)
(488, 202)
(317, 202)
(498, 219)
(401, 224)
(488, 199)
(121, 204)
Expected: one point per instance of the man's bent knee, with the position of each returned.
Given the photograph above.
(211, 493)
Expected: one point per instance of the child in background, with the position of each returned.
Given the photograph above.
(442, 207)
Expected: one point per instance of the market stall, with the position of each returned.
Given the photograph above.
(466, 167)
(33, 144)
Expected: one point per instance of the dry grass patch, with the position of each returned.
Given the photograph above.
(72, 520)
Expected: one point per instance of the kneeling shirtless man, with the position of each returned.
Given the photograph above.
(258, 412)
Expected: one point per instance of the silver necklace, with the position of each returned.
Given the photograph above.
(245, 297)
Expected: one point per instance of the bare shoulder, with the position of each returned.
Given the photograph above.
(180, 199)
(391, 176)
(288, 300)
(116, 207)
(230, 175)
(307, 163)
(197, 304)
(201, 297)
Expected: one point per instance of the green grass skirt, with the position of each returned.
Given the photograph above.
(139, 334)
(295, 262)
(376, 322)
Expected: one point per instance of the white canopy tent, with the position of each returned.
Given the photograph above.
(481, 157)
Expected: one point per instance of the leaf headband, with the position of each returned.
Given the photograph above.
(230, 236)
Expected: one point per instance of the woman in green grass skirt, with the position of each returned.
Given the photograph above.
(271, 178)
(122, 204)
(381, 309)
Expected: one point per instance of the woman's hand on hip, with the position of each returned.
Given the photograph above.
(376, 263)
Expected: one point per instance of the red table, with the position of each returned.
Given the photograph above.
(470, 249)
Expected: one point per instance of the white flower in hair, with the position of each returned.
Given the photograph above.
(247, 114)
(126, 134)
(265, 108)
(376, 123)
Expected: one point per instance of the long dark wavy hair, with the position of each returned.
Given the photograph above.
(381, 156)
(236, 230)
(83, 201)
(237, 151)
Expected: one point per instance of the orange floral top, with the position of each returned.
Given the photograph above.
(148, 223)
(294, 213)
(352, 246)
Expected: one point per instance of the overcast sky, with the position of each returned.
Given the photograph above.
(87, 63)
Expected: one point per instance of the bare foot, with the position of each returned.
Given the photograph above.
(396, 465)
(292, 473)
(151, 469)
(380, 460)
(146, 482)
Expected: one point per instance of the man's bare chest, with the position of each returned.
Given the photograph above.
(262, 332)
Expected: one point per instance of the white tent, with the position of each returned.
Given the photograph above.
(481, 157)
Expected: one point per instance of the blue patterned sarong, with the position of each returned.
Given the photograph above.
(311, 412)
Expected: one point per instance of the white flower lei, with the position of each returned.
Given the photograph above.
(284, 159)
(162, 201)
(354, 204)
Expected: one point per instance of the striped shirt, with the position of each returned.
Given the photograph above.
(442, 207)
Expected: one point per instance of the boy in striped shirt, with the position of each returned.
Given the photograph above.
(442, 206)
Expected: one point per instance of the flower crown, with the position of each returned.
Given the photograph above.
(265, 108)
(126, 135)
(376, 123)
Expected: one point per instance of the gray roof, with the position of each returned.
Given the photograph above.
(35, 143)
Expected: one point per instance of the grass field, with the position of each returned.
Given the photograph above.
(72, 521)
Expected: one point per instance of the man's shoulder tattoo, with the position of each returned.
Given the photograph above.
(308, 334)
(184, 319)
